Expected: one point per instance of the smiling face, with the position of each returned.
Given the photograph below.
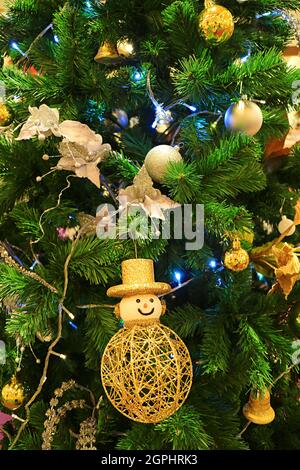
(140, 307)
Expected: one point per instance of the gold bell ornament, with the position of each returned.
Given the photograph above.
(284, 225)
(215, 23)
(236, 259)
(146, 368)
(258, 410)
(12, 394)
(125, 48)
(107, 54)
(244, 116)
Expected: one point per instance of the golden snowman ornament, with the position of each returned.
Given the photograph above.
(215, 23)
(12, 394)
(146, 368)
(244, 116)
(236, 259)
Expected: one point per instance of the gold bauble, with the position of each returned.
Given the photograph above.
(236, 259)
(258, 410)
(125, 48)
(216, 23)
(158, 159)
(107, 54)
(12, 394)
(244, 116)
(146, 372)
(5, 115)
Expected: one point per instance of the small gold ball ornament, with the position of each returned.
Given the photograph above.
(5, 115)
(236, 259)
(12, 394)
(216, 23)
(244, 116)
(158, 159)
(284, 224)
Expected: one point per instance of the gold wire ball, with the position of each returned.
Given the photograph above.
(146, 372)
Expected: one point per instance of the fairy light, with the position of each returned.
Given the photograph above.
(61, 356)
(73, 325)
(213, 264)
(14, 45)
(56, 39)
(178, 277)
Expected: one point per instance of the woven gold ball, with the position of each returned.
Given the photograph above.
(236, 259)
(216, 24)
(12, 394)
(244, 116)
(5, 115)
(158, 159)
(146, 372)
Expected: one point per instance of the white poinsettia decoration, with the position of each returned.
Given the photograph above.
(74, 131)
(42, 122)
(81, 149)
(142, 194)
(79, 160)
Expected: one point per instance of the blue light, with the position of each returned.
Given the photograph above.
(14, 45)
(56, 39)
(137, 76)
(154, 124)
(73, 325)
(177, 276)
(193, 109)
(213, 264)
(88, 4)
(260, 277)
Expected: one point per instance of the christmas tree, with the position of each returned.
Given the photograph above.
(135, 131)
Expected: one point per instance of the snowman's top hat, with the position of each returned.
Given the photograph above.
(138, 278)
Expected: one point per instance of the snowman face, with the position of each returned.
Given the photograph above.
(140, 307)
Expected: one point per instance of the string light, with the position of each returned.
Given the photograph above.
(75, 327)
(14, 45)
(137, 75)
(178, 277)
(213, 264)
(56, 39)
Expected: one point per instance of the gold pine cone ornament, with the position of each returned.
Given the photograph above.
(12, 394)
(236, 259)
(146, 368)
(215, 23)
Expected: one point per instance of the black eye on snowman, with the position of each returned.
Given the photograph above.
(152, 300)
(138, 301)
